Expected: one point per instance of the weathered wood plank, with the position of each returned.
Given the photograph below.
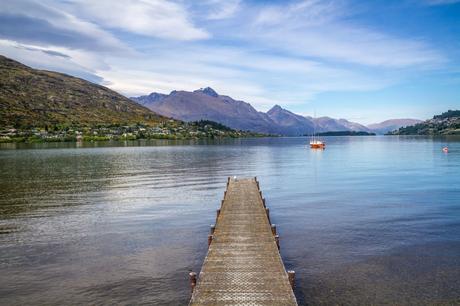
(243, 265)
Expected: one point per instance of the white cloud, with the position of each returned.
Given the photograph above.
(319, 29)
(73, 62)
(222, 9)
(49, 24)
(155, 18)
(306, 13)
(260, 79)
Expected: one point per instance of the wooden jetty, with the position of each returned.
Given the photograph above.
(243, 265)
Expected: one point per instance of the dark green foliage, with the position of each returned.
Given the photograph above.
(447, 123)
(346, 133)
(212, 124)
(448, 114)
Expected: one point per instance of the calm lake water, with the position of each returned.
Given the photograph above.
(370, 220)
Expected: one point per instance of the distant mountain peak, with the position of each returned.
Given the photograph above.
(156, 96)
(151, 98)
(276, 107)
(208, 91)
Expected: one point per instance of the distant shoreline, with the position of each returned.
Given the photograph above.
(88, 139)
(171, 129)
(346, 133)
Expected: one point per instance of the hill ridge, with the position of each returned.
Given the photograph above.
(447, 123)
(31, 98)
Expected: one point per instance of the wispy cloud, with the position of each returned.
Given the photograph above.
(222, 9)
(73, 62)
(322, 29)
(45, 24)
(258, 78)
(299, 14)
(440, 2)
(154, 18)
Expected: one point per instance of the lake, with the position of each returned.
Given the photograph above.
(369, 220)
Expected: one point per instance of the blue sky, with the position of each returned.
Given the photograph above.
(365, 61)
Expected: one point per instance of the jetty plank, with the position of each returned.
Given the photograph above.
(243, 265)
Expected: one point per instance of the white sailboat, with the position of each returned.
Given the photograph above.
(316, 143)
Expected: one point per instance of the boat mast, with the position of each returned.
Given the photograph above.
(314, 127)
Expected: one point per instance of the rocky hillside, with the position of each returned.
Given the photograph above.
(289, 123)
(447, 123)
(206, 103)
(36, 98)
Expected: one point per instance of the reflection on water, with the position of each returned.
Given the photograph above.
(370, 220)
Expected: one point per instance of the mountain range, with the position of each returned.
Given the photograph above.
(206, 103)
(39, 98)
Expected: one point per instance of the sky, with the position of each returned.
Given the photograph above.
(365, 61)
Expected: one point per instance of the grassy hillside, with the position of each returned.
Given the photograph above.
(36, 98)
(447, 123)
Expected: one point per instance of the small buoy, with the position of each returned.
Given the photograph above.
(445, 150)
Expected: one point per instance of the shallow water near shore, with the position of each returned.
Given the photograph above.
(369, 220)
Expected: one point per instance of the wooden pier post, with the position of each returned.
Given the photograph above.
(277, 240)
(291, 276)
(273, 229)
(209, 240)
(192, 279)
(213, 228)
(267, 210)
(217, 214)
